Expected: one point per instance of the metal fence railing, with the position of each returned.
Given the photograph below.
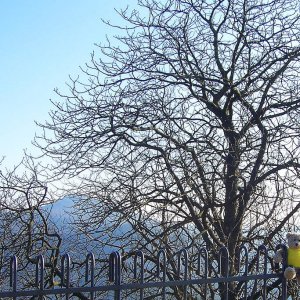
(202, 275)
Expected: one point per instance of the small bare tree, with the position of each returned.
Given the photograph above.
(26, 230)
(187, 130)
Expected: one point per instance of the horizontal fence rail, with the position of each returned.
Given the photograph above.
(254, 279)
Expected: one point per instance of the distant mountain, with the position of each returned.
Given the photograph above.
(61, 210)
(63, 215)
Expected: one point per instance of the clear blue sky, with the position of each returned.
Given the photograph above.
(41, 43)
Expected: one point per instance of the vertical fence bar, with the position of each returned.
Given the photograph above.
(140, 254)
(39, 274)
(224, 270)
(65, 272)
(283, 249)
(115, 261)
(246, 265)
(90, 268)
(13, 275)
(263, 249)
(203, 253)
(284, 265)
(183, 253)
(162, 253)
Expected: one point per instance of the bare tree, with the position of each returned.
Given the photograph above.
(26, 230)
(187, 130)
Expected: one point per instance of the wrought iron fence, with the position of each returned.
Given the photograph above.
(204, 276)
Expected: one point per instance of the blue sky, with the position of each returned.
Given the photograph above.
(42, 43)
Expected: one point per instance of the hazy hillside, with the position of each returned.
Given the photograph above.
(63, 216)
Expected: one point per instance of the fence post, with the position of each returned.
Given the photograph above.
(115, 272)
(283, 249)
(263, 249)
(224, 271)
(90, 261)
(39, 273)
(13, 275)
(66, 258)
(246, 264)
(162, 253)
(203, 252)
(142, 257)
(185, 257)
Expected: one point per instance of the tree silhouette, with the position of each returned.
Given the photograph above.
(187, 128)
